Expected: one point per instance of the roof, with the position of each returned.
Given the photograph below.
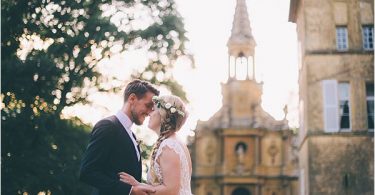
(293, 10)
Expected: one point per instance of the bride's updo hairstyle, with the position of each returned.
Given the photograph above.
(173, 115)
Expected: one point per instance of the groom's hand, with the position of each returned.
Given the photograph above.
(142, 190)
(126, 178)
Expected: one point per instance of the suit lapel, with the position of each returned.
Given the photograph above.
(138, 148)
(125, 133)
(140, 159)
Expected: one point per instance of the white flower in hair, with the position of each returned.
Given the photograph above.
(168, 105)
(181, 113)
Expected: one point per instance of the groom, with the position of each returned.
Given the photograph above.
(113, 147)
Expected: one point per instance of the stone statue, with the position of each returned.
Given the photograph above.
(285, 111)
(240, 154)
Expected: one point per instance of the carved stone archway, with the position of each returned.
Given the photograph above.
(241, 191)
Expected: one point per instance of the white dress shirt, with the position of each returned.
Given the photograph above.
(127, 123)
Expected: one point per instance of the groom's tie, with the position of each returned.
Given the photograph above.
(138, 148)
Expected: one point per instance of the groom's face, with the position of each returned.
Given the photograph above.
(141, 108)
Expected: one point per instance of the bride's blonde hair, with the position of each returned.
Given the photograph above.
(170, 121)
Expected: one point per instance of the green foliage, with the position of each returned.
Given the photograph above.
(145, 155)
(42, 155)
(68, 38)
(49, 53)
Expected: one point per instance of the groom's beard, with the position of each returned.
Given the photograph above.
(135, 118)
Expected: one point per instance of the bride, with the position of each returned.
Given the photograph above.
(170, 167)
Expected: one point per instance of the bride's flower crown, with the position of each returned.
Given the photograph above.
(167, 106)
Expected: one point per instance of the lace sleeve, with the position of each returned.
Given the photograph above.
(172, 144)
(177, 147)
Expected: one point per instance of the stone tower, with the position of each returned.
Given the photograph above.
(336, 100)
(241, 149)
(241, 44)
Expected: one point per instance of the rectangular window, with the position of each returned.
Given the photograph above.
(342, 38)
(368, 37)
(344, 112)
(370, 105)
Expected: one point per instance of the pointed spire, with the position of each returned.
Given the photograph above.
(241, 41)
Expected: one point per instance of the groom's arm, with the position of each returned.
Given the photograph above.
(95, 156)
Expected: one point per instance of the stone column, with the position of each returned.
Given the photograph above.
(253, 62)
(228, 66)
(257, 151)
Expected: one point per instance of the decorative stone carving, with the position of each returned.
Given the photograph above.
(273, 151)
(210, 151)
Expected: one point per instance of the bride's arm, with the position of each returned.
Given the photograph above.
(170, 167)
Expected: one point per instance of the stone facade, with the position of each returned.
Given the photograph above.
(332, 159)
(241, 149)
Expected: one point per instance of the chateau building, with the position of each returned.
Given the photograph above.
(336, 95)
(241, 149)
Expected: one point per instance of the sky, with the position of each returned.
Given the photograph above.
(208, 24)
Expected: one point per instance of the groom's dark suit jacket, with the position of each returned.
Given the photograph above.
(109, 152)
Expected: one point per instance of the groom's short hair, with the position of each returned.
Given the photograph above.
(139, 88)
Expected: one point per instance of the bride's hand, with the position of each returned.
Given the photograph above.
(126, 178)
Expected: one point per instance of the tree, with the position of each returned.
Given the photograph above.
(49, 53)
(42, 155)
(68, 38)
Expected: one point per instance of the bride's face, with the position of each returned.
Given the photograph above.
(155, 121)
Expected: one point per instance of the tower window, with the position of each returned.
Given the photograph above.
(370, 105)
(342, 38)
(368, 37)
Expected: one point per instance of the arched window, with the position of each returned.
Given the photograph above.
(241, 145)
(241, 191)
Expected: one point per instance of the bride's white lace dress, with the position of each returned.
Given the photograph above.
(155, 176)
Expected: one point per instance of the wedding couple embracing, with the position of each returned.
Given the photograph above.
(112, 162)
